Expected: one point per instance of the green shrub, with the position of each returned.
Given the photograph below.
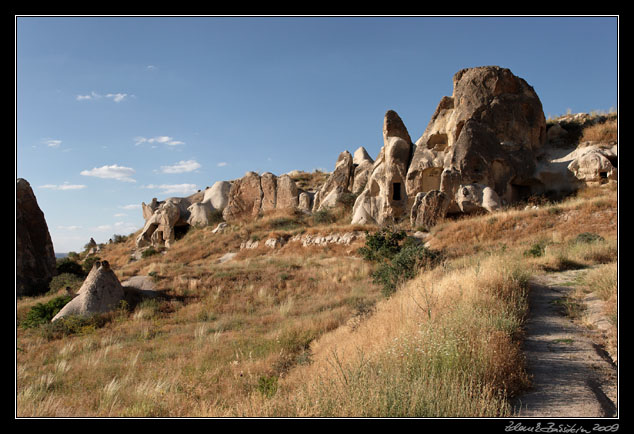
(381, 245)
(150, 251)
(75, 325)
(267, 385)
(67, 265)
(43, 313)
(88, 263)
(323, 216)
(536, 250)
(399, 257)
(588, 237)
(65, 280)
(403, 266)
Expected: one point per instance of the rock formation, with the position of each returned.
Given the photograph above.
(101, 292)
(254, 194)
(160, 228)
(35, 258)
(487, 132)
(384, 198)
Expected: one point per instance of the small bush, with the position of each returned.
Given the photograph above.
(150, 251)
(88, 263)
(537, 250)
(67, 265)
(398, 261)
(324, 216)
(381, 245)
(65, 280)
(75, 325)
(267, 386)
(403, 266)
(43, 313)
(588, 237)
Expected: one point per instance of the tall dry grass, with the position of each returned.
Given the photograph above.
(445, 345)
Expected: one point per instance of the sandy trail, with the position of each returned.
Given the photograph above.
(572, 376)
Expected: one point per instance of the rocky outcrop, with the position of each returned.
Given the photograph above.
(217, 195)
(35, 257)
(384, 198)
(487, 132)
(101, 292)
(337, 184)
(253, 194)
(160, 229)
(429, 208)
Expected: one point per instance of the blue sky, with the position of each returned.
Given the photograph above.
(113, 111)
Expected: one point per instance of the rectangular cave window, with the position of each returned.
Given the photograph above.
(396, 191)
(603, 175)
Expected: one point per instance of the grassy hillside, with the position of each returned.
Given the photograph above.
(309, 331)
(304, 331)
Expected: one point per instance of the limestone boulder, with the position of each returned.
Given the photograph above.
(200, 214)
(475, 198)
(338, 183)
(429, 208)
(245, 198)
(594, 166)
(35, 257)
(253, 194)
(101, 292)
(218, 195)
(287, 193)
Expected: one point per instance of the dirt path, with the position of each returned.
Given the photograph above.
(572, 376)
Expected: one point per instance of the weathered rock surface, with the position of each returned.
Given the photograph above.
(35, 257)
(337, 184)
(429, 208)
(253, 194)
(473, 198)
(159, 229)
(488, 132)
(200, 214)
(218, 195)
(101, 292)
(384, 197)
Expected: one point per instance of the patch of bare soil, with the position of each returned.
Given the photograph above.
(572, 376)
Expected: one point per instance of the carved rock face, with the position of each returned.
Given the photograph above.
(384, 197)
(504, 124)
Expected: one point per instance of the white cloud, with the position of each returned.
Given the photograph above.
(52, 143)
(181, 167)
(151, 68)
(120, 173)
(166, 140)
(222, 164)
(183, 189)
(64, 186)
(116, 97)
(131, 206)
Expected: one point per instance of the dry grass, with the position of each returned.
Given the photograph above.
(301, 331)
(604, 132)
